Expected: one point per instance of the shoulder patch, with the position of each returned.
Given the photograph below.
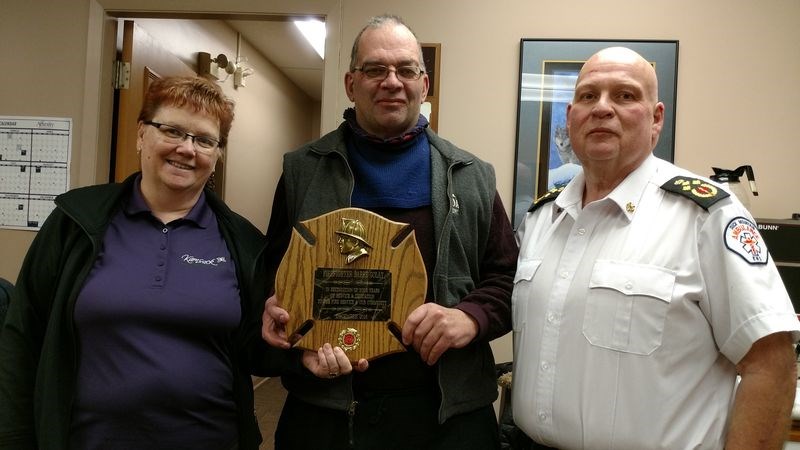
(742, 237)
(699, 191)
(547, 197)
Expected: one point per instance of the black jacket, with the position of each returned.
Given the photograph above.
(38, 349)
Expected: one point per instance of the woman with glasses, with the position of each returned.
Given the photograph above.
(135, 321)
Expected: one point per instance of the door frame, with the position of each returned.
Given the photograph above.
(101, 50)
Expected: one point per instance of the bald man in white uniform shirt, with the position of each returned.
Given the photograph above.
(642, 291)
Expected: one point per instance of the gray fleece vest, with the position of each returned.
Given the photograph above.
(318, 179)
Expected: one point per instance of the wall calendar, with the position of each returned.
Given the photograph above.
(34, 168)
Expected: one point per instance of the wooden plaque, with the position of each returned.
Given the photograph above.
(350, 278)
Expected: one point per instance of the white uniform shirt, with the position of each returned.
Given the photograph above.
(631, 313)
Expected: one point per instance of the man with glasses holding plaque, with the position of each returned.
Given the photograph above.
(383, 159)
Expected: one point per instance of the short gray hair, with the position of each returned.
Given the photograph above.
(378, 22)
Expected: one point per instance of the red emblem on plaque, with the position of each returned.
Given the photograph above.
(349, 338)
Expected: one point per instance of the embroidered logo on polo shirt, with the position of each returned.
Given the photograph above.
(189, 259)
(742, 238)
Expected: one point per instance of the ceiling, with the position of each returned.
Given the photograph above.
(282, 43)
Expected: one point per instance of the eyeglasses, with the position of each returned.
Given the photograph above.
(380, 72)
(203, 144)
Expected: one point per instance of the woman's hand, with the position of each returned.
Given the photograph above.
(331, 362)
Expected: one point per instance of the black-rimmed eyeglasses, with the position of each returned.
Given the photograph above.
(380, 72)
(173, 135)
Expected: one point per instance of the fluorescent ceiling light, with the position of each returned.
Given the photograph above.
(314, 32)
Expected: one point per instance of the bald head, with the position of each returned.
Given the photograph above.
(615, 117)
(622, 56)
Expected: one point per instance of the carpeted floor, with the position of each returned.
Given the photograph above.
(269, 397)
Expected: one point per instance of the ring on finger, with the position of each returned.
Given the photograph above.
(333, 374)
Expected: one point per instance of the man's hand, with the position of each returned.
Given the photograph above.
(331, 362)
(432, 329)
(273, 324)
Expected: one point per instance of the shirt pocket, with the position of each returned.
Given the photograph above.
(521, 295)
(626, 306)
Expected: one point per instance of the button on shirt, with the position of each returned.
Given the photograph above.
(630, 315)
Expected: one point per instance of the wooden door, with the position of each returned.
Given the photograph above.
(148, 60)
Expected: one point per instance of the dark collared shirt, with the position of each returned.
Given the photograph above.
(153, 322)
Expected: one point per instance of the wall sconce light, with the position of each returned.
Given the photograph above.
(215, 67)
(206, 65)
(223, 63)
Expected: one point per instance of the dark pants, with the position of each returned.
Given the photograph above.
(406, 421)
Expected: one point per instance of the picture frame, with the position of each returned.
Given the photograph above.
(431, 55)
(548, 69)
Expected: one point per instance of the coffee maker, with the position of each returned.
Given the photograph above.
(730, 179)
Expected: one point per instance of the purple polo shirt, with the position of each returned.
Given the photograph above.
(154, 322)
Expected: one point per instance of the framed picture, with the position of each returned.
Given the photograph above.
(548, 69)
(431, 54)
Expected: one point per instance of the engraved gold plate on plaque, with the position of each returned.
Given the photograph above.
(348, 278)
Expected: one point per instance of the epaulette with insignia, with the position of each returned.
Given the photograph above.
(547, 197)
(699, 191)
